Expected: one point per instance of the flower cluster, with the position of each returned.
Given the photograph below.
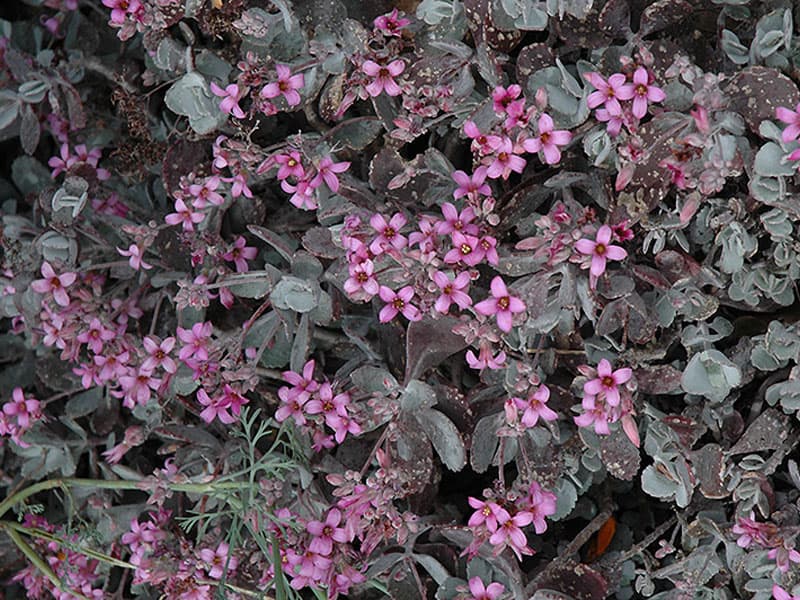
(313, 405)
(624, 98)
(501, 520)
(605, 401)
(18, 416)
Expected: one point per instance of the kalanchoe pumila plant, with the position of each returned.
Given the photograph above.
(332, 299)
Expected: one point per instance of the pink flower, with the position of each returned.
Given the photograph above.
(325, 534)
(485, 359)
(594, 413)
(63, 162)
(455, 221)
(790, 117)
(120, 9)
(362, 278)
(398, 302)
(195, 341)
(158, 354)
(502, 97)
(112, 365)
(390, 24)
(388, 233)
(24, 410)
(303, 196)
(505, 160)
(784, 556)
(491, 592)
(609, 93)
(615, 122)
(136, 387)
(535, 407)
(96, 336)
(327, 170)
(540, 503)
(55, 284)
(291, 165)
(487, 513)
(607, 382)
(184, 215)
(240, 253)
(231, 96)
(501, 304)
(548, 140)
(215, 408)
(509, 533)
(781, 594)
(643, 92)
(217, 561)
(466, 249)
(600, 250)
(303, 385)
(488, 246)
(471, 187)
(206, 193)
(452, 291)
(480, 141)
(383, 77)
(135, 261)
(291, 406)
(287, 85)
(334, 408)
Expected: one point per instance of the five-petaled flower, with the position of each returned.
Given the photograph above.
(792, 119)
(643, 92)
(548, 140)
(600, 250)
(287, 85)
(135, 257)
(55, 284)
(607, 382)
(535, 407)
(502, 304)
(480, 592)
(609, 93)
(452, 291)
(230, 95)
(388, 233)
(383, 77)
(398, 302)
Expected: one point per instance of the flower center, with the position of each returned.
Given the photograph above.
(600, 249)
(544, 137)
(503, 303)
(502, 157)
(291, 162)
(384, 73)
(362, 277)
(283, 86)
(608, 381)
(466, 249)
(610, 93)
(641, 90)
(327, 406)
(55, 282)
(398, 303)
(448, 289)
(389, 233)
(486, 511)
(327, 531)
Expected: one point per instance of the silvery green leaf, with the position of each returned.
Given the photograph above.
(56, 247)
(533, 18)
(301, 344)
(33, 91)
(9, 109)
(711, 374)
(372, 380)
(771, 161)
(733, 48)
(191, 7)
(566, 498)
(484, 442)
(169, 54)
(191, 97)
(434, 568)
(434, 12)
(293, 293)
(768, 190)
(417, 395)
(777, 223)
(444, 436)
(771, 42)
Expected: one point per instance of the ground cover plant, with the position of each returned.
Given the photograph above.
(454, 299)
